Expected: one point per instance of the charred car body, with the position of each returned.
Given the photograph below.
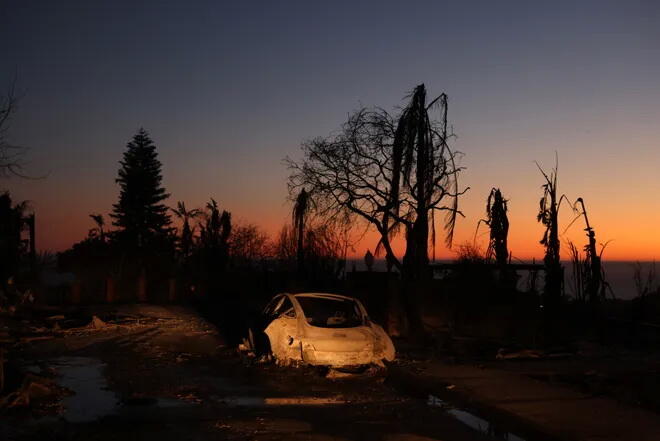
(319, 329)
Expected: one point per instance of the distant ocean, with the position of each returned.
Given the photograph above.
(619, 275)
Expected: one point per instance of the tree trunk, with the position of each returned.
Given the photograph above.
(416, 259)
(300, 256)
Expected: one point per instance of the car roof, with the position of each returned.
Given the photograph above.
(323, 295)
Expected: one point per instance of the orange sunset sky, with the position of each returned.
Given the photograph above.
(228, 91)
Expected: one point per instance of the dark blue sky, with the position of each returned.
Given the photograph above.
(228, 90)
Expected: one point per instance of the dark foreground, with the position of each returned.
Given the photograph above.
(154, 372)
(138, 372)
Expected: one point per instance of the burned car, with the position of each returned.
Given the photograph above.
(319, 329)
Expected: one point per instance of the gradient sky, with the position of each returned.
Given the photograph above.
(229, 89)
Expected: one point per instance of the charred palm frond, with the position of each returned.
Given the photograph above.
(424, 167)
(187, 232)
(215, 231)
(99, 230)
(548, 215)
(299, 215)
(577, 278)
(595, 285)
(498, 223)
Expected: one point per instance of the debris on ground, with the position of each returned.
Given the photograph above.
(182, 357)
(525, 354)
(97, 323)
(334, 374)
(189, 398)
(55, 318)
(533, 354)
(34, 388)
(435, 401)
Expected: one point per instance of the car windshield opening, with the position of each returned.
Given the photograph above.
(326, 312)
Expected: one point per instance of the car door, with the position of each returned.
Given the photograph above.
(282, 332)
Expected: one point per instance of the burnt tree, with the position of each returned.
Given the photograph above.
(300, 209)
(187, 232)
(549, 216)
(393, 174)
(595, 285)
(498, 222)
(10, 154)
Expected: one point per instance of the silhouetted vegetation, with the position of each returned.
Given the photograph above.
(393, 174)
(10, 154)
(140, 215)
(322, 253)
(301, 208)
(211, 254)
(548, 215)
(474, 275)
(142, 245)
(185, 239)
(390, 173)
(596, 285)
(249, 247)
(645, 284)
(99, 230)
(498, 223)
(14, 220)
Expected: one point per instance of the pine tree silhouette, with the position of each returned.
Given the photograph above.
(139, 214)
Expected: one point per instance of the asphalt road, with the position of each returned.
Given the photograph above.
(164, 373)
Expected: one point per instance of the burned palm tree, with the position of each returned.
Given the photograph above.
(424, 178)
(594, 278)
(99, 230)
(187, 233)
(217, 227)
(548, 216)
(300, 210)
(498, 222)
(212, 251)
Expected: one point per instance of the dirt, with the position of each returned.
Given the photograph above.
(162, 372)
(629, 378)
(512, 396)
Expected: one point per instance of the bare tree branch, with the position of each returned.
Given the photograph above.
(10, 155)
